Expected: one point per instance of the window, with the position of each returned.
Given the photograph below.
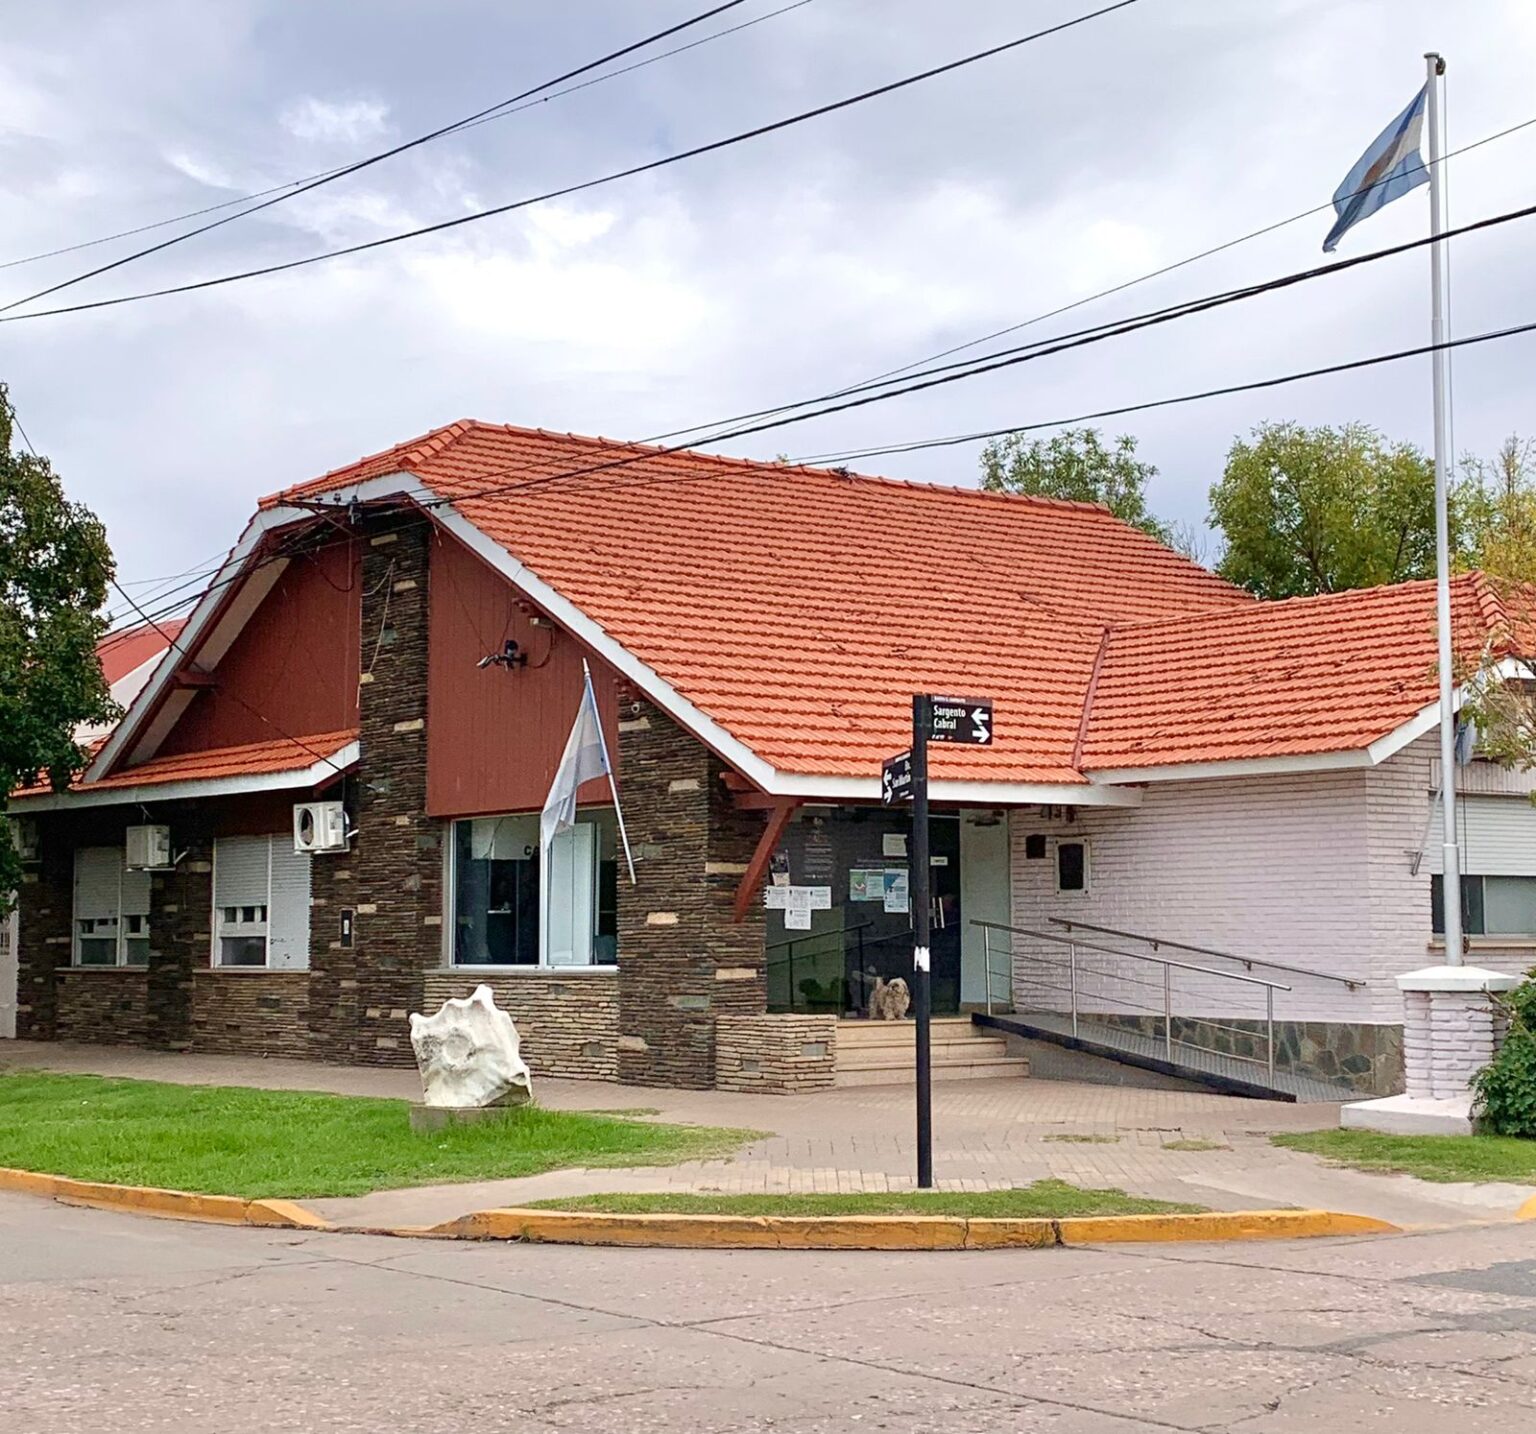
(1034, 846)
(1071, 866)
(260, 903)
(111, 910)
(499, 892)
(1490, 905)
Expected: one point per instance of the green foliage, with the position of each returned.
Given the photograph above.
(1320, 510)
(1443, 1158)
(1506, 1088)
(221, 1140)
(54, 569)
(1076, 464)
(1496, 505)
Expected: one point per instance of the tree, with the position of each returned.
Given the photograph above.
(1319, 510)
(1496, 505)
(54, 570)
(1076, 464)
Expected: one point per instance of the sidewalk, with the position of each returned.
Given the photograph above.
(988, 1134)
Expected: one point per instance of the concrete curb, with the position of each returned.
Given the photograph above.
(725, 1232)
(167, 1204)
(1528, 1210)
(890, 1232)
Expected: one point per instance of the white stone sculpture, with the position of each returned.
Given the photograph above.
(468, 1054)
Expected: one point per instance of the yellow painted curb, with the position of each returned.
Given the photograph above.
(1218, 1225)
(167, 1204)
(890, 1232)
(1528, 1210)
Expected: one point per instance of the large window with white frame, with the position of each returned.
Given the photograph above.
(260, 903)
(499, 894)
(111, 926)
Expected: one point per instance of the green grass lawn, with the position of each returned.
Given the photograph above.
(1430, 1157)
(225, 1140)
(1048, 1199)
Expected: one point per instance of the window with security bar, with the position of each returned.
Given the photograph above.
(260, 903)
(111, 910)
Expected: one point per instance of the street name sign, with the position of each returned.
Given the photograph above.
(961, 719)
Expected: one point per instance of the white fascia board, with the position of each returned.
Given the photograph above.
(201, 616)
(973, 794)
(1236, 767)
(292, 779)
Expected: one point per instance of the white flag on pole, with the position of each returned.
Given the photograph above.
(586, 756)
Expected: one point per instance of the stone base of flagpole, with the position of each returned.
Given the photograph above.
(1451, 1029)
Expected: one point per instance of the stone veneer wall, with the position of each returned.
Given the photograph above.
(252, 1013)
(392, 879)
(683, 961)
(775, 1055)
(568, 1025)
(105, 1006)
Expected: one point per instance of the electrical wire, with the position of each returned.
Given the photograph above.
(429, 498)
(483, 214)
(409, 144)
(339, 170)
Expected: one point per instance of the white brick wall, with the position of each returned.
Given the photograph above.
(1309, 870)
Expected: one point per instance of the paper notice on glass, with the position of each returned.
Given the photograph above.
(821, 898)
(893, 844)
(896, 897)
(797, 920)
(776, 898)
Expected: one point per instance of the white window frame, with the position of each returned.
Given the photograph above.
(1087, 885)
(121, 931)
(544, 965)
(260, 926)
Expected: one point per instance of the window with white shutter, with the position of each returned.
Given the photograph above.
(260, 903)
(111, 910)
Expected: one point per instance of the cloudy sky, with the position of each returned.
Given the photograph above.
(777, 269)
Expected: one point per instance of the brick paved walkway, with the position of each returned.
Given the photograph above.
(988, 1134)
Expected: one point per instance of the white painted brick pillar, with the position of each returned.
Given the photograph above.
(1451, 1029)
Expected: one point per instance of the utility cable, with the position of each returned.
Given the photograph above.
(646, 168)
(319, 180)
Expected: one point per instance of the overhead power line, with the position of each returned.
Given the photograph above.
(655, 164)
(339, 170)
(327, 178)
(950, 440)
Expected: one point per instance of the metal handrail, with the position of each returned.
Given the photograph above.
(1071, 923)
(1072, 944)
(1133, 955)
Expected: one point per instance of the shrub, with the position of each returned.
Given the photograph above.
(1505, 1089)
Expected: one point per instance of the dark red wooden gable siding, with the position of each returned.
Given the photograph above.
(495, 734)
(295, 662)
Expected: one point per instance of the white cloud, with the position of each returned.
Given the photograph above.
(330, 121)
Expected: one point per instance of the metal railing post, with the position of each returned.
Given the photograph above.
(1072, 966)
(1269, 1014)
(986, 947)
(1168, 1011)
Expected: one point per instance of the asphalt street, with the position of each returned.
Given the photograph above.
(112, 1323)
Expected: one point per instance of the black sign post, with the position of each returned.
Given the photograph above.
(966, 720)
(922, 721)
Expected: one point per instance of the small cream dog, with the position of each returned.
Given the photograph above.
(889, 1000)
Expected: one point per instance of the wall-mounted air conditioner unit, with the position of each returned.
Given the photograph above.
(147, 848)
(320, 826)
(24, 838)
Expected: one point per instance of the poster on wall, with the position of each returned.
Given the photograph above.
(779, 870)
(893, 844)
(819, 861)
(866, 885)
(797, 920)
(896, 891)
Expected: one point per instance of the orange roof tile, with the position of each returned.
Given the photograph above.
(801, 607)
(253, 759)
(121, 652)
(1310, 675)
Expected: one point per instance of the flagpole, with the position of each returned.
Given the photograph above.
(618, 811)
(1450, 855)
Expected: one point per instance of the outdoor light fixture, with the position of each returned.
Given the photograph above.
(511, 655)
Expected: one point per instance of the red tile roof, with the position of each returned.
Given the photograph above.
(801, 607)
(122, 652)
(253, 759)
(1321, 674)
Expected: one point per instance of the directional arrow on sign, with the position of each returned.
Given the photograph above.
(981, 726)
(896, 778)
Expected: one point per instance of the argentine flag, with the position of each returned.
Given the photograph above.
(1386, 171)
(586, 756)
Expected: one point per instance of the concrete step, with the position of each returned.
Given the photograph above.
(1007, 1067)
(950, 1053)
(852, 1034)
